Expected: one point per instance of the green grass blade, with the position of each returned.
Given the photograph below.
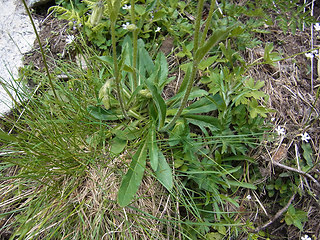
(6, 137)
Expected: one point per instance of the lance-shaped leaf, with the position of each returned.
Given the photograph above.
(132, 180)
(103, 114)
(153, 149)
(158, 101)
(164, 172)
(217, 36)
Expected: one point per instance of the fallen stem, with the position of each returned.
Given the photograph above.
(275, 217)
(41, 49)
(297, 171)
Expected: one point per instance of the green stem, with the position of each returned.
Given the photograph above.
(115, 68)
(208, 22)
(194, 69)
(41, 50)
(135, 46)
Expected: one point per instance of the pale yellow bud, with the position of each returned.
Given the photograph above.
(97, 13)
(145, 93)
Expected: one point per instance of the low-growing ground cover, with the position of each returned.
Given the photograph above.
(166, 120)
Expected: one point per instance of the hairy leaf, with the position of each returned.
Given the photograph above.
(164, 173)
(153, 149)
(103, 114)
(117, 145)
(132, 180)
(159, 102)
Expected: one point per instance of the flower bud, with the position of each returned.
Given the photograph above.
(145, 93)
(97, 13)
(105, 92)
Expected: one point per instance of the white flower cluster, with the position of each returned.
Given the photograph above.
(280, 131)
(126, 7)
(70, 39)
(311, 54)
(306, 237)
(317, 27)
(305, 137)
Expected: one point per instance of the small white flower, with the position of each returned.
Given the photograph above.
(248, 197)
(126, 7)
(70, 39)
(158, 29)
(317, 27)
(306, 237)
(280, 131)
(309, 55)
(305, 137)
(125, 26)
(128, 26)
(315, 51)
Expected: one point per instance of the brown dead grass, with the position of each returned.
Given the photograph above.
(297, 110)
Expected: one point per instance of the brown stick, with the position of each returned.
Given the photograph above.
(297, 171)
(275, 217)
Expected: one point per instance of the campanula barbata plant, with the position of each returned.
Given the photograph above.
(213, 118)
(133, 96)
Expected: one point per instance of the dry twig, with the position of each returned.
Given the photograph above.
(297, 171)
(275, 217)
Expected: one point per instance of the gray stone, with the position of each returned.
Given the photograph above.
(16, 38)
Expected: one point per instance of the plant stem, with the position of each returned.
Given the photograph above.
(208, 22)
(135, 46)
(41, 50)
(115, 68)
(194, 69)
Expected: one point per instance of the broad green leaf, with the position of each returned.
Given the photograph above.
(162, 64)
(176, 133)
(307, 154)
(132, 180)
(217, 36)
(117, 145)
(153, 149)
(204, 105)
(129, 133)
(185, 80)
(106, 59)
(229, 199)
(139, 9)
(159, 102)
(145, 64)
(214, 236)
(164, 173)
(151, 5)
(195, 93)
(103, 114)
(204, 121)
(207, 63)
(6, 137)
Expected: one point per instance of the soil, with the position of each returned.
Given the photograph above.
(293, 96)
(53, 37)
